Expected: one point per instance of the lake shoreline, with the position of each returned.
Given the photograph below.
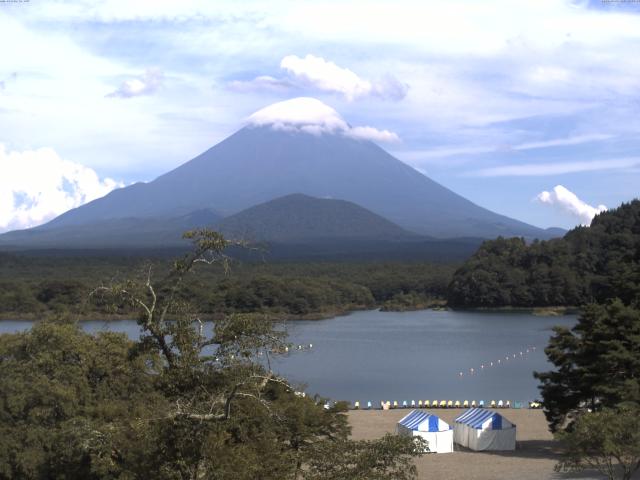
(556, 311)
(106, 317)
(552, 311)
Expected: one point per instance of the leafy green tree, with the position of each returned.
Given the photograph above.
(607, 441)
(183, 402)
(18, 298)
(597, 363)
(69, 402)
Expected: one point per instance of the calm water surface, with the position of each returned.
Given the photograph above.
(377, 356)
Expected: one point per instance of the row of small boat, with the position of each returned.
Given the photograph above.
(287, 349)
(446, 404)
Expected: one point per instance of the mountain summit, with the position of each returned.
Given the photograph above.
(310, 115)
(300, 146)
(304, 113)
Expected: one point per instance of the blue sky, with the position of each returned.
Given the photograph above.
(500, 101)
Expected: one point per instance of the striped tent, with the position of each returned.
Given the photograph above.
(481, 429)
(434, 430)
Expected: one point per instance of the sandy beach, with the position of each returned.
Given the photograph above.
(534, 458)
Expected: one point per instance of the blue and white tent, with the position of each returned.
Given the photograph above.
(482, 429)
(437, 433)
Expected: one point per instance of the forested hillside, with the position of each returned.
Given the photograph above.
(296, 216)
(588, 264)
(37, 286)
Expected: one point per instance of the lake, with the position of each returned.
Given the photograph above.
(373, 355)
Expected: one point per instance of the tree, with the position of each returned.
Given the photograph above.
(70, 401)
(597, 363)
(182, 402)
(592, 400)
(607, 441)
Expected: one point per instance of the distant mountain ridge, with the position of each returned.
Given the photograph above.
(290, 219)
(125, 232)
(258, 164)
(294, 227)
(263, 162)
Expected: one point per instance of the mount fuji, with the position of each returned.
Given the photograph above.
(299, 146)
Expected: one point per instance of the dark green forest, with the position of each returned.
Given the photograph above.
(33, 286)
(589, 264)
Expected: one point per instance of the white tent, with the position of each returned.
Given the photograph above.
(436, 432)
(481, 429)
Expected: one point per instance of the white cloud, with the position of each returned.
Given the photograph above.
(561, 142)
(374, 134)
(263, 82)
(469, 65)
(442, 154)
(464, 26)
(141, 10)
(325, 76)
(146, 84)
(57, 98)
(38, 185)
(5, 81)
(299, 112)
(568, 202)
(328, 77)
(426, 155)
(310, 115)
(544, 169)
(548, 74)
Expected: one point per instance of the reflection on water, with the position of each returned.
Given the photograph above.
(407, 356)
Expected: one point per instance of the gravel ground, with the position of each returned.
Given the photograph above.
(534, 458)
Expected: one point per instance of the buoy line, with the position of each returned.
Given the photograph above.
(521, 354)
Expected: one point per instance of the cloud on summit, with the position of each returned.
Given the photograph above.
(322, 75)
(310, 115)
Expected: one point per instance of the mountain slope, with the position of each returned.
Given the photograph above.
(294, 227)
(112, 233)
(257, 164)
(298, 217)
(305, 151)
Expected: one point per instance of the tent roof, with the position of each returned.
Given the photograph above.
(477, 417)
(417, 418)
